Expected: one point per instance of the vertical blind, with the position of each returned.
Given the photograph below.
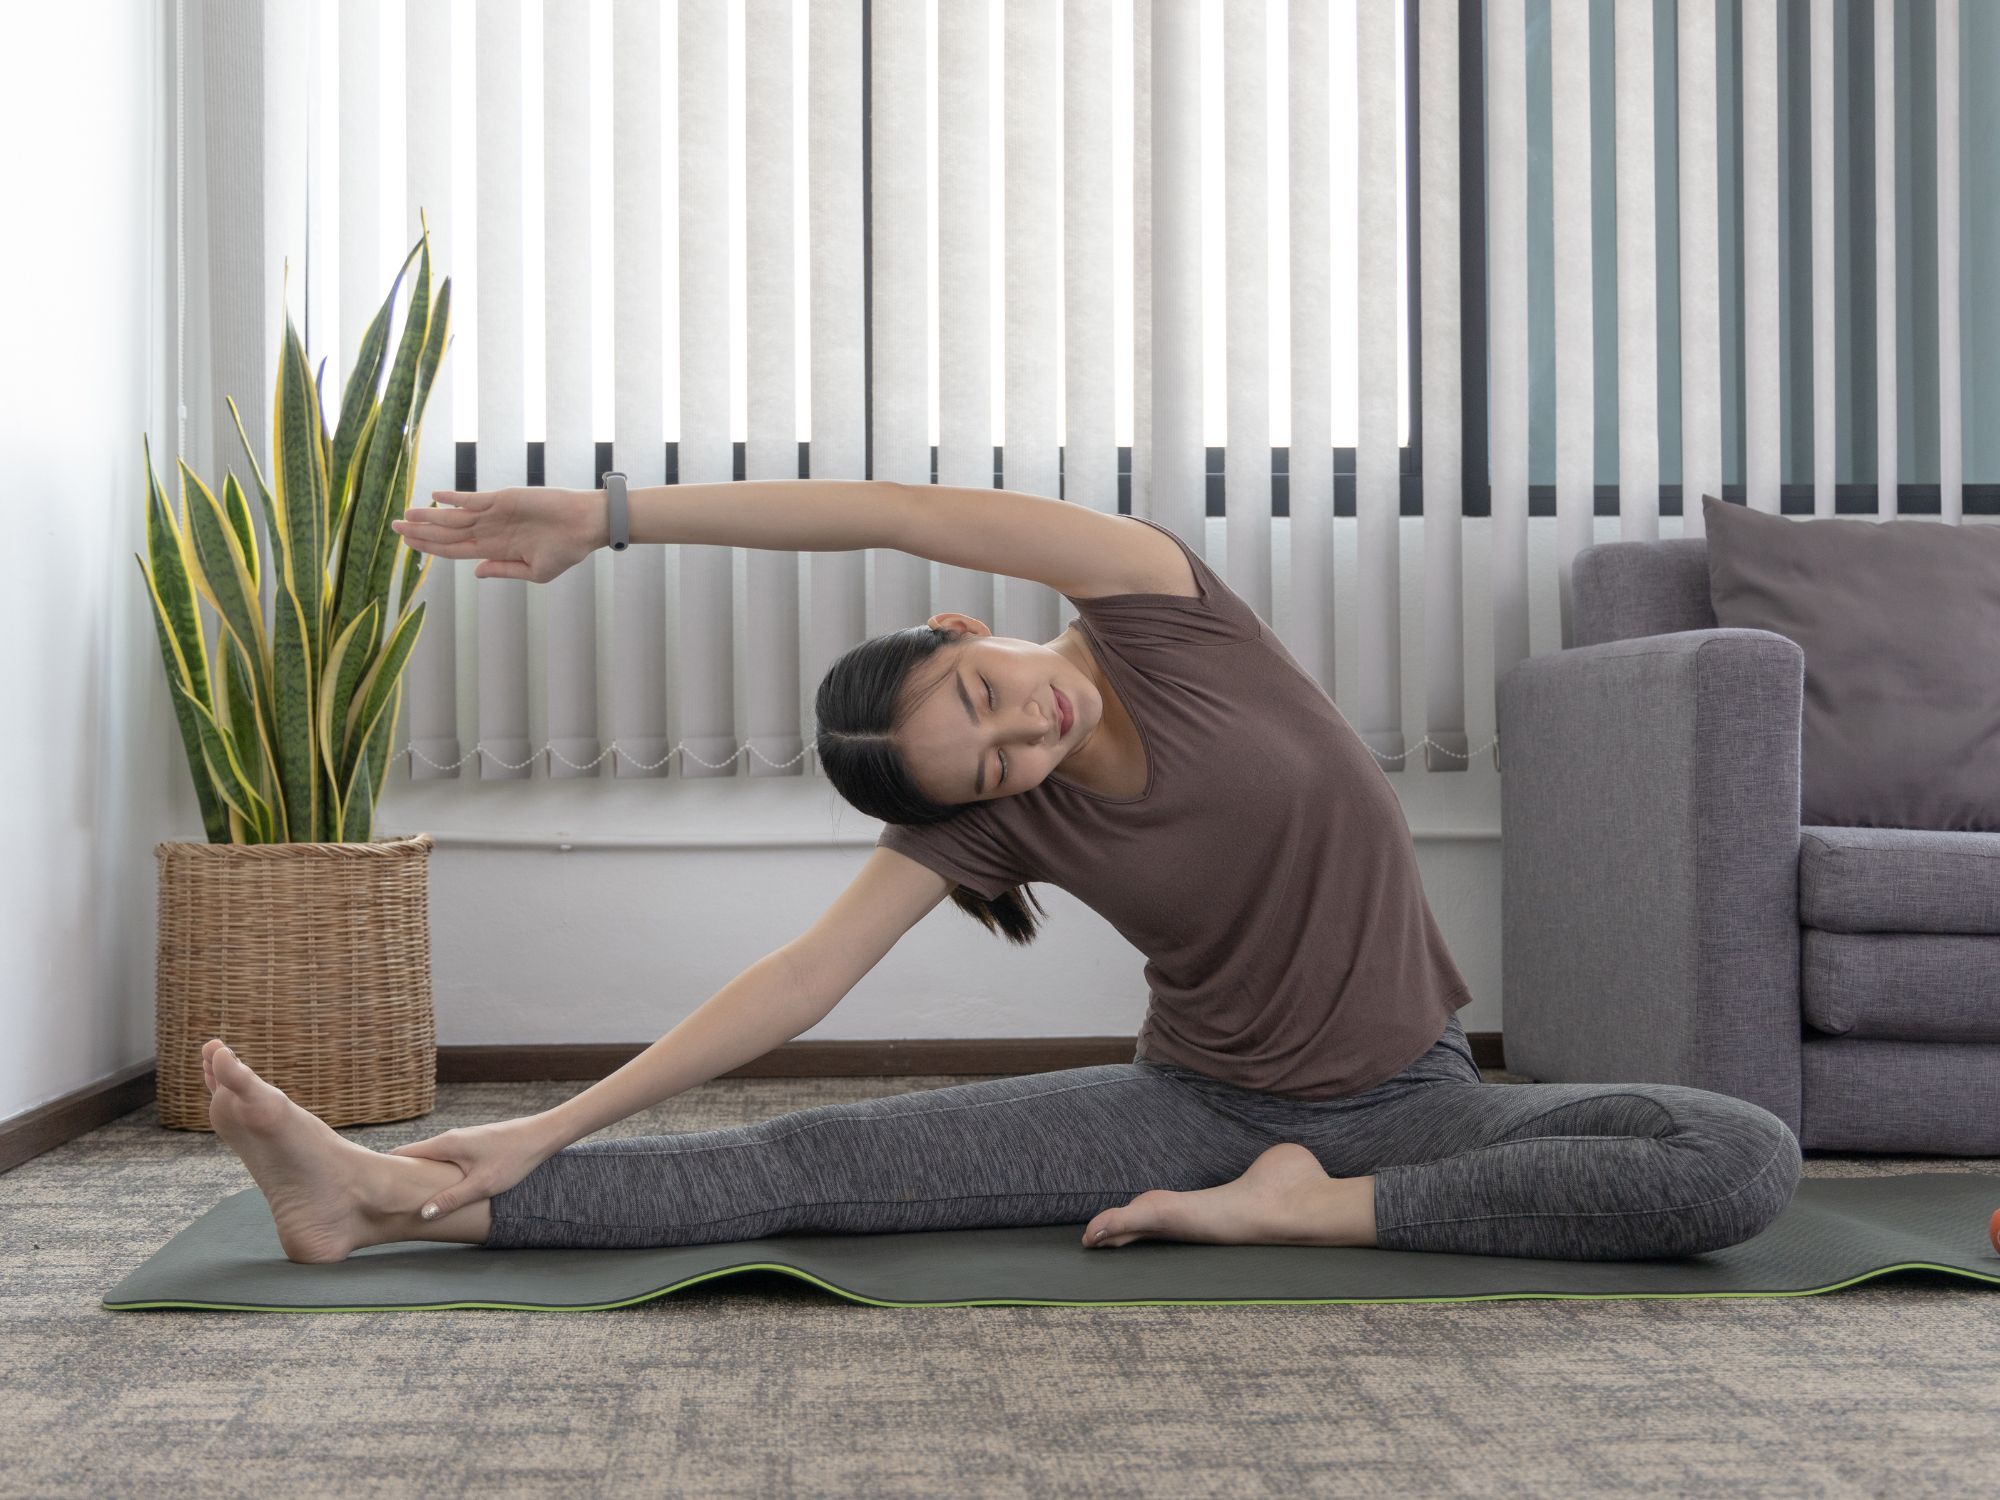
(1674, 286)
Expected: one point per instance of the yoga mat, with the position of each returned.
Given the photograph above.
(1835, 1233)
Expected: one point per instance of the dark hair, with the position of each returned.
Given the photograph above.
(859, 708)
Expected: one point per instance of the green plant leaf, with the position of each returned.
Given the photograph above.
(225, 578)
(374, 495)
(377, 748)
(358, 402)
(417, 565)
(399, 501)
(237, 508)
(301, 491)
(232, 784)
(173, 586)
(357, 808)
(378, 688)
(270, 506)
(293, 676)
(236, 710)
(214, 813)
(343, 524)
(344, 665)
(434, 351)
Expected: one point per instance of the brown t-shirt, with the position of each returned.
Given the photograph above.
(1266, 871)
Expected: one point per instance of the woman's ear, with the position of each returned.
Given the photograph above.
(948, 620)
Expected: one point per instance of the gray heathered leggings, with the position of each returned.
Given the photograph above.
(1599, 1171)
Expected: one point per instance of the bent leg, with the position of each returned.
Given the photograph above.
(1571, 1171)
(1048, 1148)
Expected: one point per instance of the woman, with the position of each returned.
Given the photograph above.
(1301, 1076)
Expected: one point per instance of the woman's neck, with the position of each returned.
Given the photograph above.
(1113, 759)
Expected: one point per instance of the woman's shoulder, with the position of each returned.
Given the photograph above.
(1212, 613)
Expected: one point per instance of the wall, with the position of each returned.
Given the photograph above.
(90, 752)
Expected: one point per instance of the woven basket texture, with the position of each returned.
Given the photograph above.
(312, 961)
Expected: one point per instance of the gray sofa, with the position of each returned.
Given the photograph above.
(1668, 920)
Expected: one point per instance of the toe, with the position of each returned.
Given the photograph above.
(1120, 1226)
(230, 1070)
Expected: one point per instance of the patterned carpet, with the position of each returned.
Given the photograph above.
(768, 1387)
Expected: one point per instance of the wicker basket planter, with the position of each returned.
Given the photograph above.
(312, 961)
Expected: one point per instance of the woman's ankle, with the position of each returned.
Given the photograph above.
(396, 1187)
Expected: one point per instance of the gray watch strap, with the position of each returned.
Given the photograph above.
(621, 513)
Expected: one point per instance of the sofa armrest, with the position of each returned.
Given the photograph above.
(1650, 856)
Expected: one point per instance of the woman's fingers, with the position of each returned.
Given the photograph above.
(434, 515)
(439, 546)
(491, 567)
(424, 538)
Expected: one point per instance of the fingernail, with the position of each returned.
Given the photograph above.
(430, 1211)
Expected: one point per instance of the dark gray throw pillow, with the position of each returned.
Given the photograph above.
(1900, 625)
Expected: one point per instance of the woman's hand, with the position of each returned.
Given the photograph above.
(493, 1157)
(534, 532)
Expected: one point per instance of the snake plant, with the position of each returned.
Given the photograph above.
(288, 725)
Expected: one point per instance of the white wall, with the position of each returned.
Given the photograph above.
(90, 750)
(540, 945)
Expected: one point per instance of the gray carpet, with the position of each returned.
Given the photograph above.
(765, 1386)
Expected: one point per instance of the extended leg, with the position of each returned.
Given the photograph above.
(1048, 1148)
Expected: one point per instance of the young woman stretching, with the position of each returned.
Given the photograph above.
(1301, 1076)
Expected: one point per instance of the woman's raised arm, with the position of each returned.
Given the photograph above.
(537, 533)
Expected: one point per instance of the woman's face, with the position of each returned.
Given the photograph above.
(992, 720)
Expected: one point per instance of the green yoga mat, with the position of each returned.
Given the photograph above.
(1835, 1233)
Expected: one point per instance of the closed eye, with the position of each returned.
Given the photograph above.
(989, 703)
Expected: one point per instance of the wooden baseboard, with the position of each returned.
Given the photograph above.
(50, 1125)
(43, 1129)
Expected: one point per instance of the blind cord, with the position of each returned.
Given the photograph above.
(180, 227)
(1492, 744)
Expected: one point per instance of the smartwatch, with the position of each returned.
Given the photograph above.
(621, 514)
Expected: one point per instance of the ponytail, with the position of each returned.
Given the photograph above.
(1006, 914)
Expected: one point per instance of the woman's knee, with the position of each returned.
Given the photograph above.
(1757, 1167)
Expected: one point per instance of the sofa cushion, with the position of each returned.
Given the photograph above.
(1899, 880)
(1913, 1098)
(1897, 620)
(1903, 986)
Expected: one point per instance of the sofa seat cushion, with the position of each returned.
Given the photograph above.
(1910, 1098)
(1899, 880)
(1901, 986)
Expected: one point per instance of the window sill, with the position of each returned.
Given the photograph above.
(722, 812)
(717, 812)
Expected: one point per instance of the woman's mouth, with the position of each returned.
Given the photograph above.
(1066, 716)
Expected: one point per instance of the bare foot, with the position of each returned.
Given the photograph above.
(330, 1196)
(1286, 1198)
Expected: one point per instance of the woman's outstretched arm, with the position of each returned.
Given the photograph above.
(767, 1004)
(537, 533)
(778, 515)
